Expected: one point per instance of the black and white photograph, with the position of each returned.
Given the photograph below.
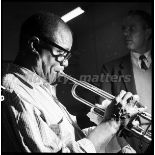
(76, 77)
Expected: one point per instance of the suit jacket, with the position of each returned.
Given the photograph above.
(118, 75)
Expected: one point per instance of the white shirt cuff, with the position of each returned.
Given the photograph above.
(128, 149)
(87, 145)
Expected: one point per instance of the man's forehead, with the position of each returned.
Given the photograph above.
(63, 37)
(133, 20)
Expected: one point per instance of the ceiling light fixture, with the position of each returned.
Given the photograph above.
(72, 14)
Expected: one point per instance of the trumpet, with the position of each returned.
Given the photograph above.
(137, 130)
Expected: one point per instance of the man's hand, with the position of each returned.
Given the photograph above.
(123, 106)
(103, 133)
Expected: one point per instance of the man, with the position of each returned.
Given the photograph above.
(133, 72)
(33, 120)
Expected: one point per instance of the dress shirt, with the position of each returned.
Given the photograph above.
(143, 79)
(137, 62)
(40, 124)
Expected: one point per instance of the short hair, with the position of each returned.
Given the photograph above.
(143, 14)
(39, 24)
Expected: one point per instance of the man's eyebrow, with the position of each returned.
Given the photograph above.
(123, 27)
(67, 49)
(54, 44)
(59, 47)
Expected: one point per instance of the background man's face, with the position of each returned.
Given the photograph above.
(134, 33)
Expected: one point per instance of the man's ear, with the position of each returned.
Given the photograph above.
(33, 44)
(148, 33)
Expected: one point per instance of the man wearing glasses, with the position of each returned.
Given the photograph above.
(33, 120)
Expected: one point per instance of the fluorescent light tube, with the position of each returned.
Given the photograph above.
(72, 14)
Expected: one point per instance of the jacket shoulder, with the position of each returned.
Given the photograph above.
(9, 81)
(116, 62)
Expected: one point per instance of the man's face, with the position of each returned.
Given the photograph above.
(135, 34)
(50, 64)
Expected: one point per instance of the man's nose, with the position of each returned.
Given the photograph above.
(64, 63)
(60, 58)
(126, 32)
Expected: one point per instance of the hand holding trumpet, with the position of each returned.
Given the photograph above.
(123, 106)
(114, 118)
(118, 111)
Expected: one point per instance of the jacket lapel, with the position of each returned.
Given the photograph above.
(126, 69)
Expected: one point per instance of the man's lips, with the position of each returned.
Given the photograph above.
(58, 69)
(128, 40)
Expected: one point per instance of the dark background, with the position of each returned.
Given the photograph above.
(97, 38)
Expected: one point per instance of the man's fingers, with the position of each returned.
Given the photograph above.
(136, 98)
(104, 104)
(129, 104)
(119, 97)
(132, 111)
(125, 98)
(140, 110)
(122, 97)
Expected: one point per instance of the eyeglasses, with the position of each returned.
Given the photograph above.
(65, 54)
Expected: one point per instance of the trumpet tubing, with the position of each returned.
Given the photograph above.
(137, 130)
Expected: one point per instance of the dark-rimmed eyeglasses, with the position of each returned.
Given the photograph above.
(66, 54)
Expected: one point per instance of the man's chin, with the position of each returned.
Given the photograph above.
(55, 80)
(130, 46)
(53, 77)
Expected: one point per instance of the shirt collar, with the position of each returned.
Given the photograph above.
(137, 55)
(135, 58)
(28, 76)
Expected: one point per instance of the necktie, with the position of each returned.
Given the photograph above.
(143, 65)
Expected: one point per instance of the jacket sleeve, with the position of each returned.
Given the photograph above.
(105, 81)
(33, 133)
(29, 128)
